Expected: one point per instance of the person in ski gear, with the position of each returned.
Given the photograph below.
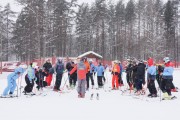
(115, 73)
(73, 76)
(11, 81)
(29, 79)
(69, 68)
(48, 68)
(120, 75)
(140, 77)
(100, 71)
(134, 73)
(81, 77)
(40, 74)
(92, 70)
(167, 76)
(151, 76)
(159, 71)
(129, 74)
(59, 69)
(87, 72)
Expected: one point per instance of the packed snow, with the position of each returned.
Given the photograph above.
(67, 106)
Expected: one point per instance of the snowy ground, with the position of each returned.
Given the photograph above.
(111, 105)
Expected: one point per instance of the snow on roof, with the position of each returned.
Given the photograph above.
(90, 52)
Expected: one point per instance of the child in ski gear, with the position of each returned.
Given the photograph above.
(115, 73)
(81, 77)
(40, 74)
(11, 79)
(92, 70)
(100, 71)
(87, 71)
(151, 76)
(167, 76)
(29, 79)
(48, 68)
(59, 68)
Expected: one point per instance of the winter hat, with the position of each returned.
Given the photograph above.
(150, 62)
(141, 61)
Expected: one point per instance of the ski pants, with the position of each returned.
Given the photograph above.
(120, 79)
(166, 85)
(29, 85)
(139, 83)
(58, 81)
(87, 80)
(91, 77)
(129, 79)
(100, 83)
(151, 87)
(81, 87)
(10, 87)
(115, 80)
(49, 79)
(72, 79)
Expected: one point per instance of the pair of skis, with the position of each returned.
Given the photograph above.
(8, 96)
(92, 96)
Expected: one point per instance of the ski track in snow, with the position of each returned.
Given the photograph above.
(67, 106)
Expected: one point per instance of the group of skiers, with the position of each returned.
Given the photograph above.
(135, 74)
(84, 70)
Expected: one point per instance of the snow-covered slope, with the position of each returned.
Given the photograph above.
(111, 105)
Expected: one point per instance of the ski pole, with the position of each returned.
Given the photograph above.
(17, 87)
(20, 84)
(160, 88)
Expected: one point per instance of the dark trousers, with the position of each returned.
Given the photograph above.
(72, 80)
(139, 83)
(91, 77)
(129, 79)
(29, 85)
(151, 87)
(58, 81)
(41, 84)
(172, 85)
(159, 81)
(100, 83)
(166, 85)
(87, 80)
(120, 79)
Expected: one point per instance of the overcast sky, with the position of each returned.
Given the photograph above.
(15, 7)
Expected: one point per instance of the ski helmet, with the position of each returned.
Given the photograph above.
(166, 59)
